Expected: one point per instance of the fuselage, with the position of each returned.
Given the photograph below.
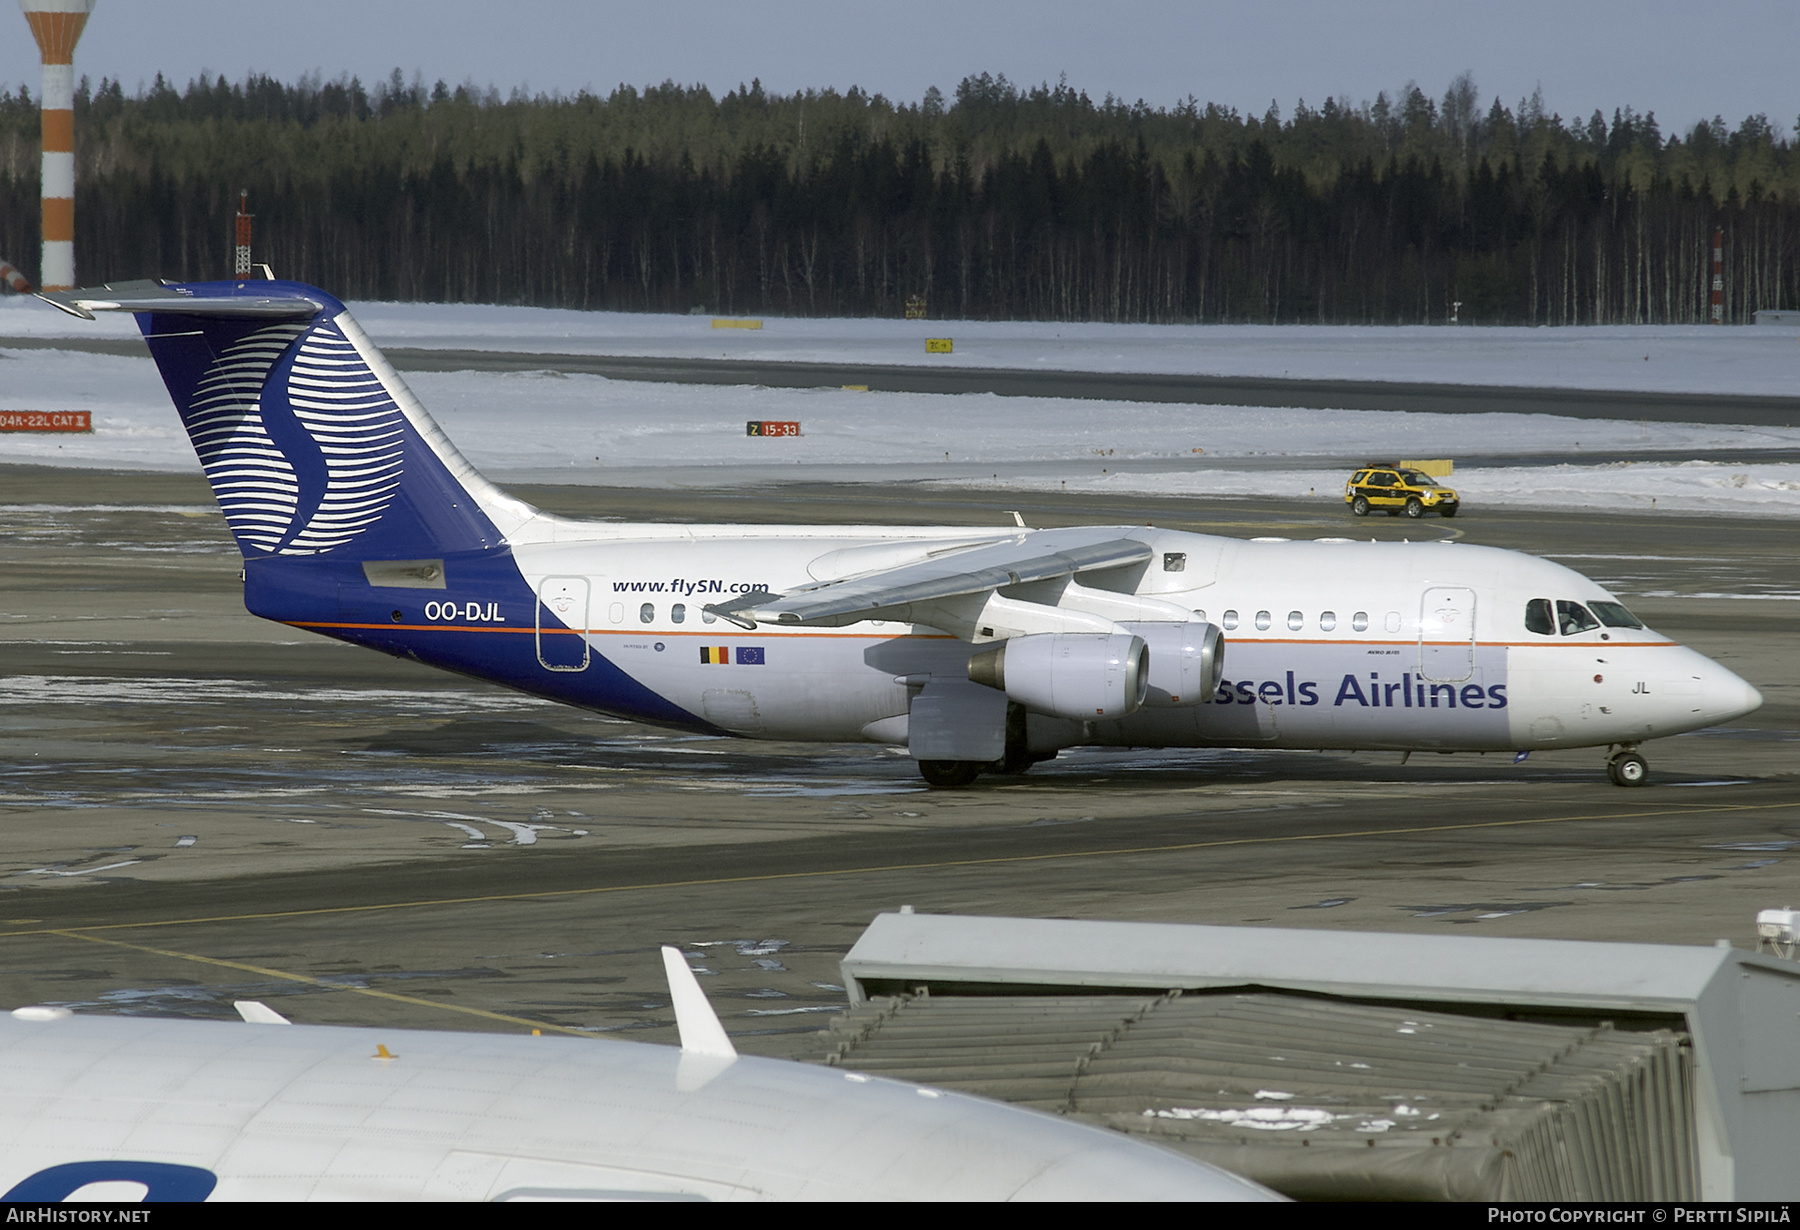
(192, 1110)
(1330, 643)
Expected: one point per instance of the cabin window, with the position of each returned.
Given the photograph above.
(1572, 617)
(616, 612)
(1174, 561)
(1200, 615)
(647, 613)
(1538, 618)
(1263, 621)
(678, 613)
(1393, 621)
(707, 617)
(1615, 616)
(1327, 620)
(1230, 620)
(1360, 621)
(1296, 621)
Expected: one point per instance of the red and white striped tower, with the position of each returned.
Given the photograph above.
(242, 267)
(1718, 282)
(57, 25)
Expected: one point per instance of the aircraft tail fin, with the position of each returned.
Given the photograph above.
(312, 442)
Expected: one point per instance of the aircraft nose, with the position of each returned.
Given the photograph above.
(1727, 696)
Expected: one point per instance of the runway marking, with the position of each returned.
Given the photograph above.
(265, 972)
(772, 877)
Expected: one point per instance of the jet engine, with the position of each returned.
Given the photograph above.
(1187, 661)
(1082, 676)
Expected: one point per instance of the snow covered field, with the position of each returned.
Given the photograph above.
(1689, 359)
(586, 429)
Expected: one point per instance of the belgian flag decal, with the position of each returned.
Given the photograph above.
(721, 655)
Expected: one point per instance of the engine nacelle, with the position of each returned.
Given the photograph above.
(1187, 661)
(1082, 675)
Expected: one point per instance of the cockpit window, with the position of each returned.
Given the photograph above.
(1614, 615)
(1572, 617)
(1538, 618)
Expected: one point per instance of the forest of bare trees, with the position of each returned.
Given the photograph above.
(996, 202)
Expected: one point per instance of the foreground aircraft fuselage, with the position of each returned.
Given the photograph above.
(111, 1110)
(977, 648)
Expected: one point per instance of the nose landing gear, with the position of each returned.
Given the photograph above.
(1627, 768)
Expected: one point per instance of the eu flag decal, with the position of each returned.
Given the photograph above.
(750, 655)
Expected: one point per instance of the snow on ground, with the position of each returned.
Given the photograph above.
(1732, 488)
(1691, 358)
(576, 428)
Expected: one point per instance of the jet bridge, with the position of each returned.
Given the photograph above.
(1347, 1065)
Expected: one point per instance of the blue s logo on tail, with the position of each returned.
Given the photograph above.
(300, 440)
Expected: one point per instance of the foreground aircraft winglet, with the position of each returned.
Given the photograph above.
(978, 650)
(255, 1012)
(701, 1032)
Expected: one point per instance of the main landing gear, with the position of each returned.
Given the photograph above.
(955, 774)
(1627, 768)
(950, 774)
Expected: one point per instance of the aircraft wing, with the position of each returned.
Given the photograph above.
(1036, 555)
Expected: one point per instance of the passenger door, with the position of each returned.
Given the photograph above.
(562, 623)
(1447, 634)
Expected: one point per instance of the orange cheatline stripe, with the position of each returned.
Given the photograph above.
(59, 131)
(59, 219)
(643, 631)
(778, 631)
(57, 34)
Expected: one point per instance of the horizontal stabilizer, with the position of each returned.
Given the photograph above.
(1041, 555)
(150, 296)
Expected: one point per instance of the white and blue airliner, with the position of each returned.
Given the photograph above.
(977, 649)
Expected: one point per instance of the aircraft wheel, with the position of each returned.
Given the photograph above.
(949, 774)
(1360, 506)
(1628, 769)
(1414, 509)
(1012, 764)
(1015, 763)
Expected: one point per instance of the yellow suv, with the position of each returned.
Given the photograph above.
(1397, 489)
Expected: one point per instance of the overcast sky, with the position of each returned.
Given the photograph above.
(1684, 61)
